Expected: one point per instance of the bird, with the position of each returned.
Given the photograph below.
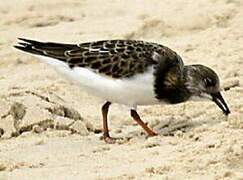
(129, 72)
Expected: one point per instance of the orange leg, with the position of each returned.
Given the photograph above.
(136, 117)
(105, 109)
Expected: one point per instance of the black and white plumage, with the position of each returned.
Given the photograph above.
(129, 72)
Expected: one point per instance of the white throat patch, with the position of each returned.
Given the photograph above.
(202, 97)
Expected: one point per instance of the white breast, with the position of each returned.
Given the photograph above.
(137, 90)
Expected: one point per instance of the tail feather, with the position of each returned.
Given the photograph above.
(50, 49)
(48, 45)
(30, 41)
(28, 48)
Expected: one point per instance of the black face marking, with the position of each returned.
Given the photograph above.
(209, 82)
(205, 76)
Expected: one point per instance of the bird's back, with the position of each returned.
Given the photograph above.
(115, 58)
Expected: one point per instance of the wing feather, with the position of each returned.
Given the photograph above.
(116, 58)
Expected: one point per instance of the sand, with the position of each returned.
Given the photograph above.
(50, 129)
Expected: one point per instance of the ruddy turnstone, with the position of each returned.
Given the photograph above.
(129, 72)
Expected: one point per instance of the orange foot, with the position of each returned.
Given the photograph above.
(111, 140)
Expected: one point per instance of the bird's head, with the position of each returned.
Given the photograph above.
(203, 83)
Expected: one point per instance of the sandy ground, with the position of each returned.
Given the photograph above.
(50, 129)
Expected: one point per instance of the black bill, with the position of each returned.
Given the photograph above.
(219, 100)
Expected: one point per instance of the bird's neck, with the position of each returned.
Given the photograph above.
(171, 92)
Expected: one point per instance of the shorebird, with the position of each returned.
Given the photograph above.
(129, 72)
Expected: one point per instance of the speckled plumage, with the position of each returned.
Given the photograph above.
(129, 72)
(115, 58)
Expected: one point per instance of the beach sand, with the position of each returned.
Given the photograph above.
(50, 129)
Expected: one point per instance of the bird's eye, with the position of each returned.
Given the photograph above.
(208, 82)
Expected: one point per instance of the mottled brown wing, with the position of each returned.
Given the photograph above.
(115, 58)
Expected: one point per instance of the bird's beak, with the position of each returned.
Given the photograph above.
(219, 100)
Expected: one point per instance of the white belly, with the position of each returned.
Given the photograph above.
(137, 90)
